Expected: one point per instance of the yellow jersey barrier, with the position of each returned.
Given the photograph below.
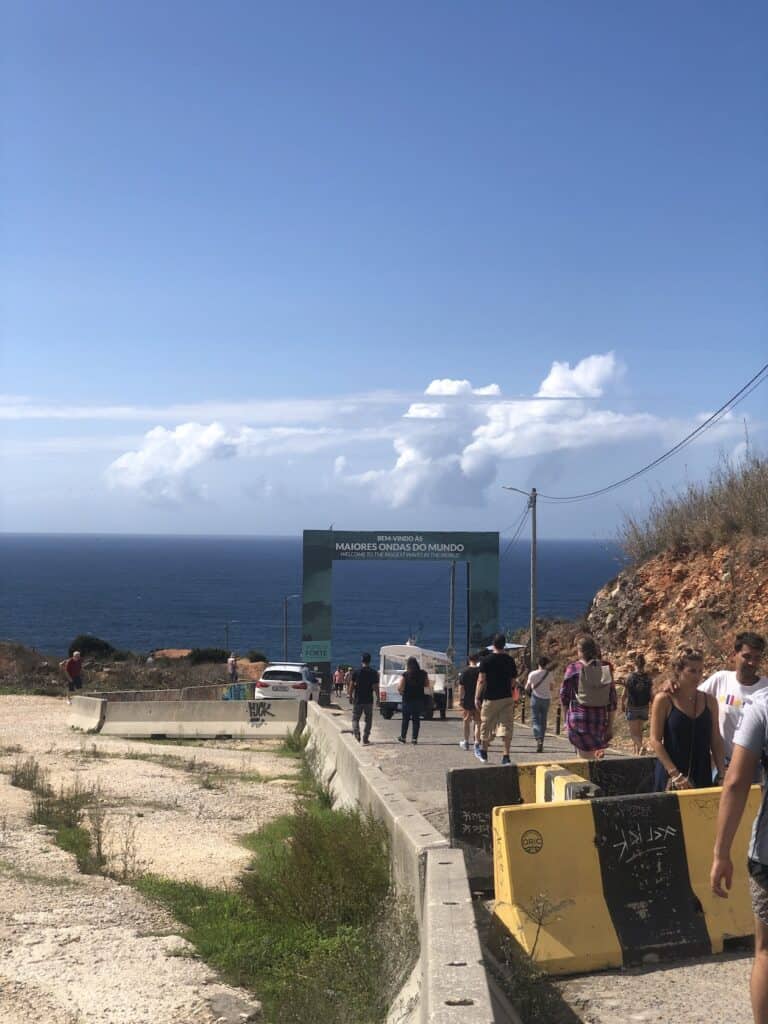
(617, 881)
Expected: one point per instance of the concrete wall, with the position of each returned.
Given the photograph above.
(199, 719)
(87, 713)
(203, 719)
(454, 985)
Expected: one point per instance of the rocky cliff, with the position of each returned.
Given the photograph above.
(685, 599)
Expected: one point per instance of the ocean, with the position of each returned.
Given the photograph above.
(141, 593)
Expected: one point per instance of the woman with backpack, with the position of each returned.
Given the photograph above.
(413, 687)
(636, 700)
(685, 734)
(588, 696)
(539, 686)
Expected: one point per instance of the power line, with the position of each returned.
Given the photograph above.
(759, 378)
(521, 523)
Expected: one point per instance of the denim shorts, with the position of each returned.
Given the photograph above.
(637, 714)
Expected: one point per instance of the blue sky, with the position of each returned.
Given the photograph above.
(243, 242)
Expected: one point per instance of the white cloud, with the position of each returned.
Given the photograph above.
(587, 379)
(161, 468)
(426, 411)
(447, 386)
(449, 444)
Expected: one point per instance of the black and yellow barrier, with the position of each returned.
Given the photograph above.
(553, 782)
(618, 881)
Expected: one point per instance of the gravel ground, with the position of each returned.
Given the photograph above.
(76, 949)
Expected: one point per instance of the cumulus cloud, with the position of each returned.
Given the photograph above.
(587, 379)
(446, 446)
(162, 468)
(451, 451)
(447, 386)
(425, 411)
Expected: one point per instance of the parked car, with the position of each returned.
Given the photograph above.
(287, 680)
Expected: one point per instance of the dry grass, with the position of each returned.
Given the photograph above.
(732, 503)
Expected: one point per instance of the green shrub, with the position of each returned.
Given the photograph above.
(307, 928)
(202, 655)
(92, 646)
(257, 655)
(307, 880)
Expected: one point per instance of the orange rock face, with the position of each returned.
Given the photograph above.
(697, 599)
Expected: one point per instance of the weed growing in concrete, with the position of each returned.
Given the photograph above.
(294, 744)
(29, 774)
(129, 865)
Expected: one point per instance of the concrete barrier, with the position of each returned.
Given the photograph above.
(453, 983)
(617, 881)
(472, 795)
(87, 713)
(553, 783)
(200, 719)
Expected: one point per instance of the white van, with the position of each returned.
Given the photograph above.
(436, 664)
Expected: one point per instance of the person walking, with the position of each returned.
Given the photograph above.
(364, 687)
(635, 701)
(232, 668)
(494, 699)
(749, 748)
(73, 669)
(734, 690)
(588, 696)
(684, 732)
(539, 686)
(469, 712)
(338, 680)
(413, 687)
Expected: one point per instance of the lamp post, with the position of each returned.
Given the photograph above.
(286, 599)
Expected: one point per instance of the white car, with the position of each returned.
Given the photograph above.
(287, 680)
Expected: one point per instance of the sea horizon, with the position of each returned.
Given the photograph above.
(142, 592)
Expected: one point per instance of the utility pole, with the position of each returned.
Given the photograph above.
(531, 496)
(452, 612)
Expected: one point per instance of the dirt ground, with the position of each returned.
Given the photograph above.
(82, 949)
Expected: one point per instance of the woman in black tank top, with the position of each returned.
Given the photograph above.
(412, 687)
(685, 734)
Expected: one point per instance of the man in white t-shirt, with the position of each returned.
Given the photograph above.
(734, 691)
(749, 748)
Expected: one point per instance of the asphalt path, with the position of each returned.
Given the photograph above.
(420, 770)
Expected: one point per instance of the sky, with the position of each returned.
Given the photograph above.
(273, 266)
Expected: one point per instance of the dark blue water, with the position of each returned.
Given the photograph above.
(142, 593)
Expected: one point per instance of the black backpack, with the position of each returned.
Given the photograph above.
(639, 689)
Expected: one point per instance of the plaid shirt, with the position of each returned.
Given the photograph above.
(586, 727)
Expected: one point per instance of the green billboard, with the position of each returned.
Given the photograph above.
(324, 547)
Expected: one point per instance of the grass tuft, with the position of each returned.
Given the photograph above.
(732, 503)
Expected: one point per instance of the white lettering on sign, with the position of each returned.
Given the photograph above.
(397, 545)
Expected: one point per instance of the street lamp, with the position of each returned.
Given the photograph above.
(286, 599)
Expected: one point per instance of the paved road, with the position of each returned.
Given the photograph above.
(420, 770)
